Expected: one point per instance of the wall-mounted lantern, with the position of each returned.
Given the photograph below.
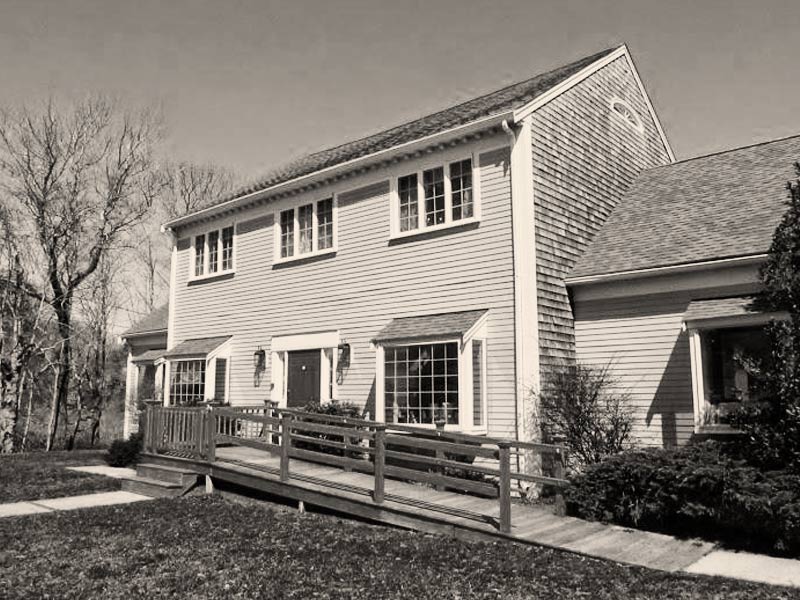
(259, 358)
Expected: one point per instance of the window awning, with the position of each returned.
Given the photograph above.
(148, 356)
(733, 310)
(718, 308)
(197, 348)
(441, 326)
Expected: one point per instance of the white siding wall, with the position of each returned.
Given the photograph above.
(368, 282)
(641, 337)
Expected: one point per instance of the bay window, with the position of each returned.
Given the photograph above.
(441, 379)
(434, 198)
(306, 230)
(187, 385)
(213, 253)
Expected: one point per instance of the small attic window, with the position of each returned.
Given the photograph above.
(623, 111)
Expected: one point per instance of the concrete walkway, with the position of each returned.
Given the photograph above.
(114, 472)
(749, 567)
(32, 507)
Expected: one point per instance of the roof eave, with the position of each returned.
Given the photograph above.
(323, 174)
(665, 270)
(128, 335)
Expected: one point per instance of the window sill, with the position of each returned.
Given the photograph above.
(306, 256)
(212, 277)
(434, 228)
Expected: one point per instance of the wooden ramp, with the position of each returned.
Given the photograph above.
(425, 480)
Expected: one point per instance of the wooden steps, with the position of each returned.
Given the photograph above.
(160, 481)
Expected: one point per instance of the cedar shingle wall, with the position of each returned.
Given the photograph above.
(584, 159)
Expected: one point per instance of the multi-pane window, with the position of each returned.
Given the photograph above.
(305, 226)
(187, 384)
(409, 204)
(213, 252)
(433, 183)
(287, 233)
(199, 255)
(421, 383)
(443, 195)
(461, 186)
(313, 230)
(325, 224)
(227, 248)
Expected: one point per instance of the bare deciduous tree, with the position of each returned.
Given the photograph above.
(78, 178)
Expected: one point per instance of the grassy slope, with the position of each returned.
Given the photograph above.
(204, 547)
(38, 475)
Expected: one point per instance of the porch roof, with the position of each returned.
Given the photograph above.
(445, 325)
(719, 308)
(148, 355)
(197, 347)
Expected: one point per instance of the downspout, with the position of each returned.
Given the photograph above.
(509, 129)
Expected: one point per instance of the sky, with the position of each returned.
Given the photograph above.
(252, 84)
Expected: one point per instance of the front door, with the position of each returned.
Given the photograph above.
(302, 384)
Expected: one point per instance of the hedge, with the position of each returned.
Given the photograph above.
(697, 490)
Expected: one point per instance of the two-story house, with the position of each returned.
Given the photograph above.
(418, 272)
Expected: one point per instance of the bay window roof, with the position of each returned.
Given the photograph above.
(197, 347)
(148, 356)
(440, 326)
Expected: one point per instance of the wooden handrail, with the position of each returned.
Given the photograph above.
(411, 453)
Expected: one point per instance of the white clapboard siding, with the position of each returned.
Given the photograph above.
(641, 337)
(368, 282)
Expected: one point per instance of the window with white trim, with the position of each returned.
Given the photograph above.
(425, 383)
(306, 230)
(213, 252)
(187, 385)
(421, 383)
(435, 197)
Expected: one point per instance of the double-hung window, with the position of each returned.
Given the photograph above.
(306, 230)
(213, 253)
(433, 198)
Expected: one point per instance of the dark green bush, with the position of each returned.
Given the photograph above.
(334, 409)
(697, 490)
(124, 453)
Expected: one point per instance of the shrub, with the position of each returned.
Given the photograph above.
(124, 453)
(335, 409)
(698, 490)
(580, 404)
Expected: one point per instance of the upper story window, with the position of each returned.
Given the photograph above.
(434, 198)
(213, 253)
(306, 230)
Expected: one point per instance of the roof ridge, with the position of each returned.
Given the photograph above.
(482, 96)
(728, 150)
(262, 181)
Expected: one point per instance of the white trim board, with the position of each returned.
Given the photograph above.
(526, 312)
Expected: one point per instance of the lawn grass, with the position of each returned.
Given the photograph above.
(39, 475)
(209, 547)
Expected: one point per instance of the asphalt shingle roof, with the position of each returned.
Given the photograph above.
(496, 102)
(443, 325)
(719, 307)
(154, 322)
(718, 206)
(197, 346)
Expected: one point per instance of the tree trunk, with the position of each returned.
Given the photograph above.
(63, 371)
